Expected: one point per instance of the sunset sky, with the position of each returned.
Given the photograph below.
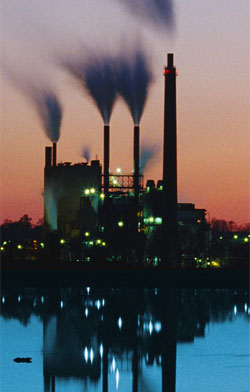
(210, 42)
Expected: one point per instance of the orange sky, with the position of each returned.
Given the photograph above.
(210, 45)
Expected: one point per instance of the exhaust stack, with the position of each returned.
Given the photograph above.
(170, 165)
(136, 160)
(48, 151)
(106, 159)
(54, 154)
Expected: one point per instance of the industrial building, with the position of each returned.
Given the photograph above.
(82, 200)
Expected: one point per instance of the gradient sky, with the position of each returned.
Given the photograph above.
(210, 43)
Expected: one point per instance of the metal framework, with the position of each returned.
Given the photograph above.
(122, 182)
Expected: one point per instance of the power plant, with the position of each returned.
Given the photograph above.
(85, 201)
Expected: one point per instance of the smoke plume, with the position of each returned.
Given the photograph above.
(97, 75)
(147, 154)
(43, 99)
(158, 12)
(133, 80)
(86, 153)
(50, 112)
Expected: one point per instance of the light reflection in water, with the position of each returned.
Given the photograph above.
(120, 322)
(124, 340)
(101, 350)
(117, 377)
(86, 354)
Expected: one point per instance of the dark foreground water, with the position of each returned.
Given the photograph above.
(93, 339)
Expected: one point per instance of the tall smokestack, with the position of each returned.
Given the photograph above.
(170, 166)
(48, 151)
(106, 159)
(136, 160)
(54, 154)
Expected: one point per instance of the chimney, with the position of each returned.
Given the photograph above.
(54, 154)
(169, 218)
(136, 160)
(48, 151)
(106, 159)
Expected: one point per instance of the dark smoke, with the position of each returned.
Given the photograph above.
(97, 75)
(50, 112)
(44, 100)
(133, 80)
(159, 12)
(86, 153)
(146, 155)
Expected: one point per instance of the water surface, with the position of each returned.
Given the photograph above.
(143, 340)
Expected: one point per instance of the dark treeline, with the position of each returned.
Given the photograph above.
(21, 230)
(223, 226)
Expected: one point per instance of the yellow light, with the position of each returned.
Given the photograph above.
(151, 219)
(19, 247)
(120, 224)
(87, 191)
(118, 170)
(5, 243)
(62, 241)
(198, 221)
(115, 182)
(102, 196)
(86, 234)
(98, 241)
(235, 236)
(221, 238)
(2, 248)
(103, 243)
(215, 263)
(92, 190)
(245, 239)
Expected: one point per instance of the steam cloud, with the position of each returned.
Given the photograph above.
(51, 207)
(158, 12)
(86, 153)
(134, 78)
(146, 155)
(97, 75)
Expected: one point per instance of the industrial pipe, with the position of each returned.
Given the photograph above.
(54, 154)
(136, 160)
(106, 159)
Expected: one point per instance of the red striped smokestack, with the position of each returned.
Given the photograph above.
(136, 160)
(106, 159)
(54, 154)
(169, 218)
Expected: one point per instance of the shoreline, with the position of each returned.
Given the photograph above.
(78, 275)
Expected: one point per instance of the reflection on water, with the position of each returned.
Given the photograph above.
(93, 339)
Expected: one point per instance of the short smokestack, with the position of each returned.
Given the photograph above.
(106, 159)
(136, 160)
(54, 154)
(48, 153)
(169, 218)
